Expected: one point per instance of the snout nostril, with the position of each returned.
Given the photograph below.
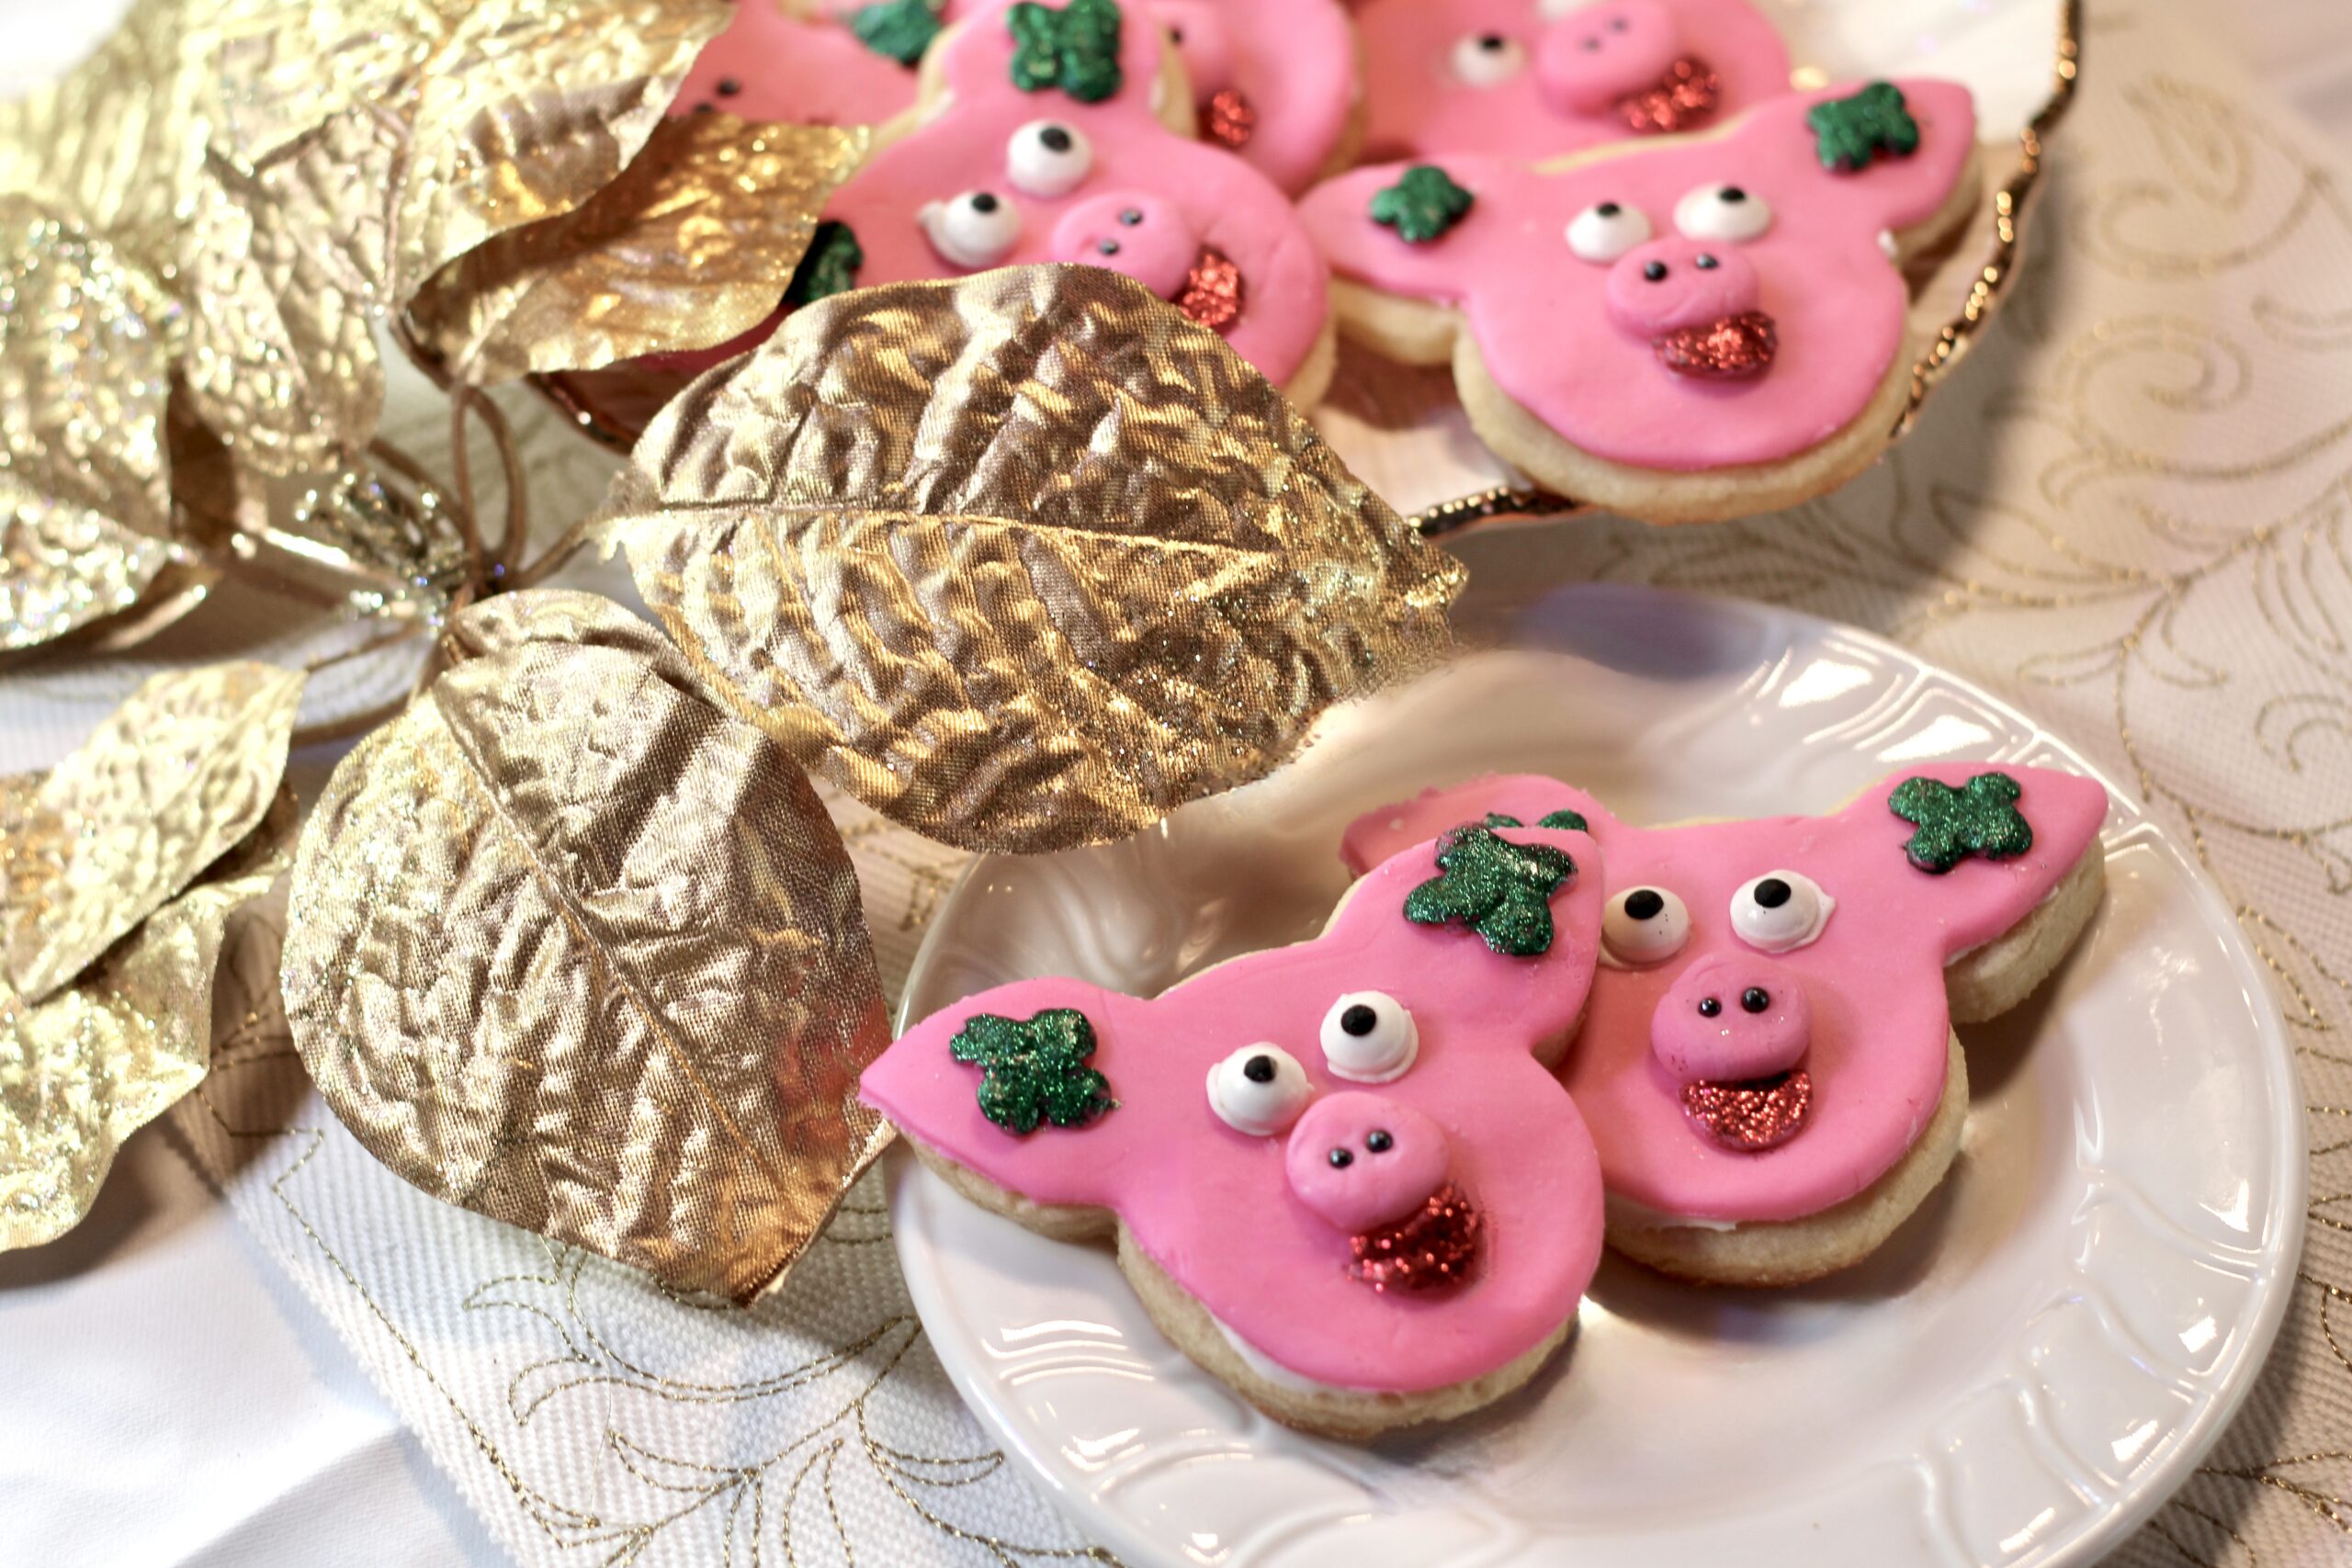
(1108, 247)
(1379, 1140)
(1342, 1159)
(1755, 998)
(1131, 217)
(1710, 1007)
(1704, 262)
(1654, 271)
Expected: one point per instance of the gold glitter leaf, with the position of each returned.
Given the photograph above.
(172, 781)
(85, 373)
(1022, 562)
(691, 246)
(83, 1070)
(570, 947)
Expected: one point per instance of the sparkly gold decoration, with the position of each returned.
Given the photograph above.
(1022, 562)
(172, 780)
(572, 948)
(83, 377)
(690, 247)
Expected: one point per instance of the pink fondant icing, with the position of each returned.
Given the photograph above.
(1268, 1252)
(780, 68)
(1187, 197)
(1569, 339)
(1570, 66)
(1872, 980)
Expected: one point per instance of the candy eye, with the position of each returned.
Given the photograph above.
(1780, 910)
(1047, 158)
(1730, 213)
(1643, 925)
(1482, 60)
(1606, 230)
(977, 228)
(1259, 1089)
(1369, 1036)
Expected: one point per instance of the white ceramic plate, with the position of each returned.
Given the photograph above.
(2020, 1376)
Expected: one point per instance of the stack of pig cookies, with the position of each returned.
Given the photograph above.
(1341, 1176)
(1768, 1060)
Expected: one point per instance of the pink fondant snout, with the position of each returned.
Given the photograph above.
(1362, 1160)
(1203, 40)
(1731, 1018)
(1599, 53)
(1674, 283)
(1146, 237)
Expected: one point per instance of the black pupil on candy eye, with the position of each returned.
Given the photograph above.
(1608, 209)
(1755, 998)
(1731, 193)
(1258, 1068)
(1771, 893)
(984, 202)
(1378, 1142)
(1342, 1159)
(1359, 1020)
(1645, 904)
(1493, 42)
(1131, 217)
(729, 87)
(1703, 262)
(1654, 271)
(1056, 138)
(1709, 1007)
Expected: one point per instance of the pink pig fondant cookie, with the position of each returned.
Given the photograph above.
(1535, 79)
(1766, 1060)
(1340, 1176)
(1683, 329)
(1036, 144)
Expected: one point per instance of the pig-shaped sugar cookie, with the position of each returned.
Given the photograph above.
(1341, 1176)
(1038, 143)
(1535, 79)
(1682, 330)
(1766, 1059)
(806, 64)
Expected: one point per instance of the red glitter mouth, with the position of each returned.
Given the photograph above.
(1211, 292)
(1435, 1245)
(1685, 96)
(1752, 1116)
(1228, 119)
(1729, 350)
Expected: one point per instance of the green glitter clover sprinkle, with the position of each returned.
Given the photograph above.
(1035, 1071)
(1075, 48)
(900, 28)
(1848, 132)
(1561, 818)
(829, 266)
(1422, 204)
(1499, 889)
(1980, 818)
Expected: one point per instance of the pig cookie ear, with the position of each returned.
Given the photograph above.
(1899, 147)
(1977, 845)
(1404, 228)
(1521, 800)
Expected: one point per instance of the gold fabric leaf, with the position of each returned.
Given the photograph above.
(83, 1070)
(691, 246)
(575, 949)
(84, 374)
(1022, 562)
(171, 782)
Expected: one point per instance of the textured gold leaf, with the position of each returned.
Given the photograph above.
(572, 948)
(171, 782)
(691, 246)
(1022, 562)
(84, 374)
(83, 1070)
